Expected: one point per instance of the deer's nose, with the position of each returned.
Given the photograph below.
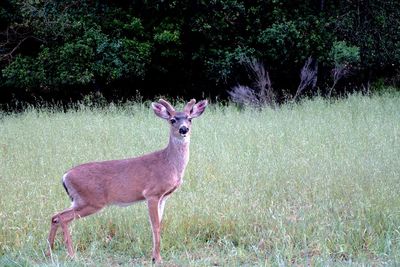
(183, 130)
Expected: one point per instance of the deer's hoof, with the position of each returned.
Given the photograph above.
(156, 260)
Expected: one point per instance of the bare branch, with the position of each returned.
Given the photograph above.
(261, 94)
(244, 95)
(9, 55)
(340, 71)
(308, 77)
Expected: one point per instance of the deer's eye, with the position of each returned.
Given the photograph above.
(190, 119)
(172, 120)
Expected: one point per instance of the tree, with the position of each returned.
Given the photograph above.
(190, 47)
(72, 47)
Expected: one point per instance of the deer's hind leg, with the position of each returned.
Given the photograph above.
(63, 219)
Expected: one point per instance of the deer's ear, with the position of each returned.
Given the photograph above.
(160, 110)
(198, 109)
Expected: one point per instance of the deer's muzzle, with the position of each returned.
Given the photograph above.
(183, 130)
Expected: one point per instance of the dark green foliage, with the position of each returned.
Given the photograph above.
(190, 47)
(74, 49)
(374, 26)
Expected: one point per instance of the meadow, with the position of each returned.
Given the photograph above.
(309, 184)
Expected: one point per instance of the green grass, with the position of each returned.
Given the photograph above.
(315, 183)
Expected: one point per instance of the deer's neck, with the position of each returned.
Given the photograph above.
(177, 153)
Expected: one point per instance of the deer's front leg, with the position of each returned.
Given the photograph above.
(153, 206)
(161, 206)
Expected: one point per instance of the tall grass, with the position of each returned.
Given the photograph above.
(315, 183)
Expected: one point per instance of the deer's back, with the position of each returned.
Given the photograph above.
(121, 181)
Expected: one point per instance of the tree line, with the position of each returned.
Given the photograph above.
(66, 49)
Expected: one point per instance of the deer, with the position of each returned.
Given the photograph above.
(151, 177)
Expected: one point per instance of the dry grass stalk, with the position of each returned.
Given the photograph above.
(262, 93)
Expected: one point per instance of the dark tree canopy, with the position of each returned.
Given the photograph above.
(66, 49)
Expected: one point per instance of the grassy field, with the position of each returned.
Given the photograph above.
(315, 183)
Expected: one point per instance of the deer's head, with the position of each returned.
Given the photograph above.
(180, 121)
